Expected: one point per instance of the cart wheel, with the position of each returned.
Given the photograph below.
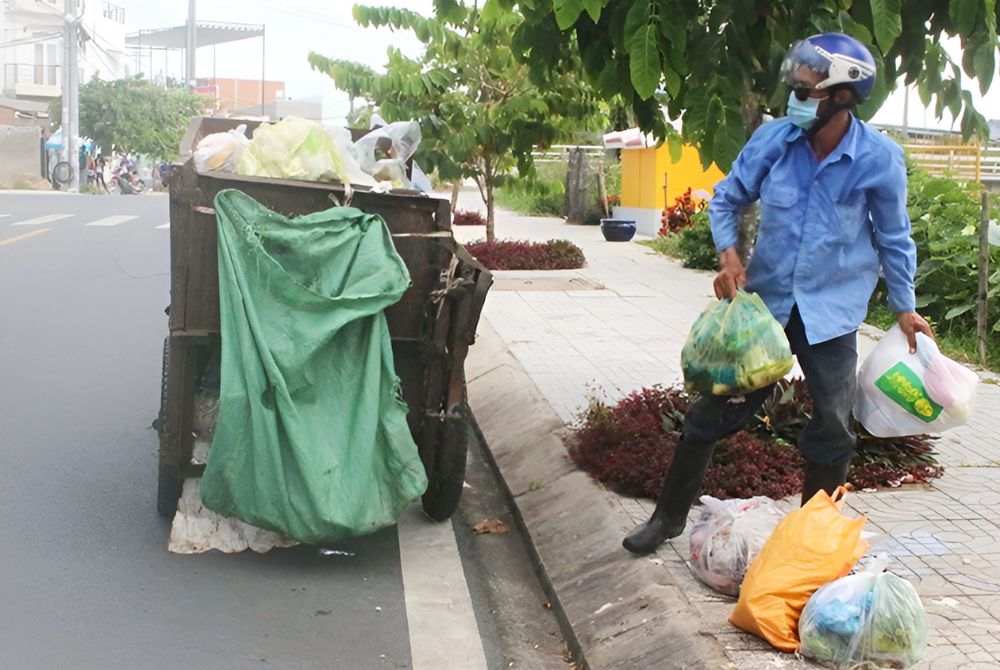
(447, 477)
(168, 487)
(168, 492)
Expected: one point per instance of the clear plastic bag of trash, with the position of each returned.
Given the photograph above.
(728, 535)
(383, 152)
(734, 347)
(295, 148)
(221, 151)
(900, 393)
(870, 619)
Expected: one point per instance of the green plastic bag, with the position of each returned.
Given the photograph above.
(312, 439)
(735, 347)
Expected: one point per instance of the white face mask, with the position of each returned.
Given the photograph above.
(802, 112)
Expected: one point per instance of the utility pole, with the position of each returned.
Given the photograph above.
(192, 46)
(70, 94)
(3, 50)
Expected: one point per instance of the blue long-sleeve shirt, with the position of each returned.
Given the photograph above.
(825, 227)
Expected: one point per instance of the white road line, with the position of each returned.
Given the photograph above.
(112, 220)
(39, 220)
(165, 225)
(443, 630)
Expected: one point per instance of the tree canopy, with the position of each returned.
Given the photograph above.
(135, 116)
(715, 65)
(481, 110)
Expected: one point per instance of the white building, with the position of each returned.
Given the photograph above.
(31, 55)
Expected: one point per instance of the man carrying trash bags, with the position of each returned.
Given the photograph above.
(833, 211)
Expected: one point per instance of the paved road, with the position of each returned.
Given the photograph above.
(86, 580)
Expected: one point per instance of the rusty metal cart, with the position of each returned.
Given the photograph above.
(431, 327)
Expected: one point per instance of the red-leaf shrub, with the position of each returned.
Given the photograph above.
(466, 218)
(680, 215)
(629, 445)
(520, 255)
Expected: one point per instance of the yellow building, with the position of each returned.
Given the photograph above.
(651, 181)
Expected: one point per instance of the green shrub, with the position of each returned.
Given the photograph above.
(540, 194)
(696, 246)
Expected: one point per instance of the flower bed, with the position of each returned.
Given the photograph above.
(466, 218)
(521, 255)
(628, 447)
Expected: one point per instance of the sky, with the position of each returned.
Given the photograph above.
(293, 28)
(296, 27)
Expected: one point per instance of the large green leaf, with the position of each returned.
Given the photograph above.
(963, 14)
(729, 140)
(567, 12)
(886, 21)
(675, 145)
(638, 16)
(593, 8)
(958, 311)
(644, 61)
(985, 65)
(672, 80)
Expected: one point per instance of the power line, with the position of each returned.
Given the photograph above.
(312, 16)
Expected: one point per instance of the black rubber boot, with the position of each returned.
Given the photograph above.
(674, 502)
(823, 477)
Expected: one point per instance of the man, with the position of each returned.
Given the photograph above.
(833, 210)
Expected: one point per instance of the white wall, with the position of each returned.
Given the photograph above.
(103, 54)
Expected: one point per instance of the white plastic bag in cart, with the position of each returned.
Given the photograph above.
(728, 535)
(900, 393)
(221, 151)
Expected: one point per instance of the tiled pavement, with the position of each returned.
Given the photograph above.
(619, 324)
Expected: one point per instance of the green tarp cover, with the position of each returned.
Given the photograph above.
(312, 439)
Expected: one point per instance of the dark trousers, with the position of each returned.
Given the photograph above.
(830, 370)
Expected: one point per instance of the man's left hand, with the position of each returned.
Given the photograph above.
(912, 323)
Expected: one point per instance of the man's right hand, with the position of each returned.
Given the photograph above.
(732, 276)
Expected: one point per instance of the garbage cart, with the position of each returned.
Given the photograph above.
(431, 327)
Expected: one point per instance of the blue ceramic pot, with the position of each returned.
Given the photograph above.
(618, 230)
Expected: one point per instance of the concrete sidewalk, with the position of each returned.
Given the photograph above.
(549, 340)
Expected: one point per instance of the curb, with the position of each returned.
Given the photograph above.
(616, 611)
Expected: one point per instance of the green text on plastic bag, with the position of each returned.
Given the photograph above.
(904, 387)
(312, 439)
(735, 346)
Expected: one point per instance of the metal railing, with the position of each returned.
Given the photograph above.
(559, 153)
(969, 162)
(32, 73)
(114, 12)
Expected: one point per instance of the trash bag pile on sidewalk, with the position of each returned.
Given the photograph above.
(798, 593)
(735, 347)
(869, 619)
(727, 537)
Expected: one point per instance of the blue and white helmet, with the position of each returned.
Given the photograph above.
(843, 59)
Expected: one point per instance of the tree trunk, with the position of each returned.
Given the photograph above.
(752, 114)
(486, 189)
(490, 236)
(455, 188)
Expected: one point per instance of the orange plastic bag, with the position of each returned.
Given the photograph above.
(810, 547)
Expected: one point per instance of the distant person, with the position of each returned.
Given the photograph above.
(99, 173)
